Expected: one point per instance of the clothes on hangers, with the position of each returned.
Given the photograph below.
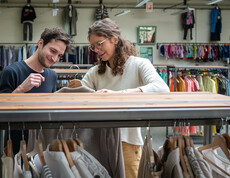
(222, 163)
(195, 164)
(27, 18)
(197, 52)
(70, 18)
(216, 24)
(7, 166)
(18, 169)
(146, 170)
(103, 140)
(188, 22)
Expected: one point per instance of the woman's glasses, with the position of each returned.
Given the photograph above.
(98, 45)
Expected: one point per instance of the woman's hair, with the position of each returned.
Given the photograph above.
(56, 34)
(124, 48)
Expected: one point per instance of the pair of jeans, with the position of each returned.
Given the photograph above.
(25, 26)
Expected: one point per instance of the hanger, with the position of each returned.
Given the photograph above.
(67, 153)
(28, 3)
(76, 139)
(181, 147)
(38, 149)
(22, 152)
(71, 143)
(65, 147)
(173, 139)
(152, 163)
(227, 139)
(9, 146)
(188, 139)
(219, 141)
(56, 144)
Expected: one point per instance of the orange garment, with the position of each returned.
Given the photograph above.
(172, 84)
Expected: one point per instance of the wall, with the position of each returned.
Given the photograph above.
(168, 26)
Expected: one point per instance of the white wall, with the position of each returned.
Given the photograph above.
(168, 26)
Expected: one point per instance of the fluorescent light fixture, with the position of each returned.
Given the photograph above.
(123, 13)
(142, 3)
(213, 2)
(183, 11)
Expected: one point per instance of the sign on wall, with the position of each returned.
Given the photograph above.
(146, 35)
(147, 52)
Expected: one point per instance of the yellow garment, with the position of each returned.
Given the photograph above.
(215, 80)
(180, 84)
(209, 84)
(214, 129)
(132, 157)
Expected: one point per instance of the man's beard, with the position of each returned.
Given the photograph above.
(41, 59)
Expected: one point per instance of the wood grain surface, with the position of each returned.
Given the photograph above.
(37, 101)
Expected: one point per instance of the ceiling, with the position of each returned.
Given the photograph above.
(119, 3)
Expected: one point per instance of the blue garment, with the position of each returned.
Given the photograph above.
(228, 86)
(13, 75)
(214, 16)
(19, 54)
(162, 50)
(31, 51)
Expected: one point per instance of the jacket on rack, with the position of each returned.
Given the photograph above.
(28, 14)
(215, 14)
(70, 20)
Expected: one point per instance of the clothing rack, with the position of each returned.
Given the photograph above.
(175, 69)
(111, 110)
(190, 43)
(52, 110)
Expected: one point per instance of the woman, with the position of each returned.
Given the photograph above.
(120, 71)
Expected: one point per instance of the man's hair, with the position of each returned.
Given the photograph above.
(56, 34)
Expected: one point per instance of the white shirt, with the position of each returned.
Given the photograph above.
(7, 166)
(138, 72)
(57, 163)
(18, 172)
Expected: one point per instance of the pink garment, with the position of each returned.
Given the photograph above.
(196, 84)
(188, 87)
(173, 51)
(193, 129)
(189, 18)
(169, 50)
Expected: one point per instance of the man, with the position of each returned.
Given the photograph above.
(33, 75)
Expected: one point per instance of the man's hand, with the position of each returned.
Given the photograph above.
(33, 80)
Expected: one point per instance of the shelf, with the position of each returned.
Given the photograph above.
(70, 71)
(69, 65)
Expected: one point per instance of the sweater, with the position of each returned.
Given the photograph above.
(138, 72)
